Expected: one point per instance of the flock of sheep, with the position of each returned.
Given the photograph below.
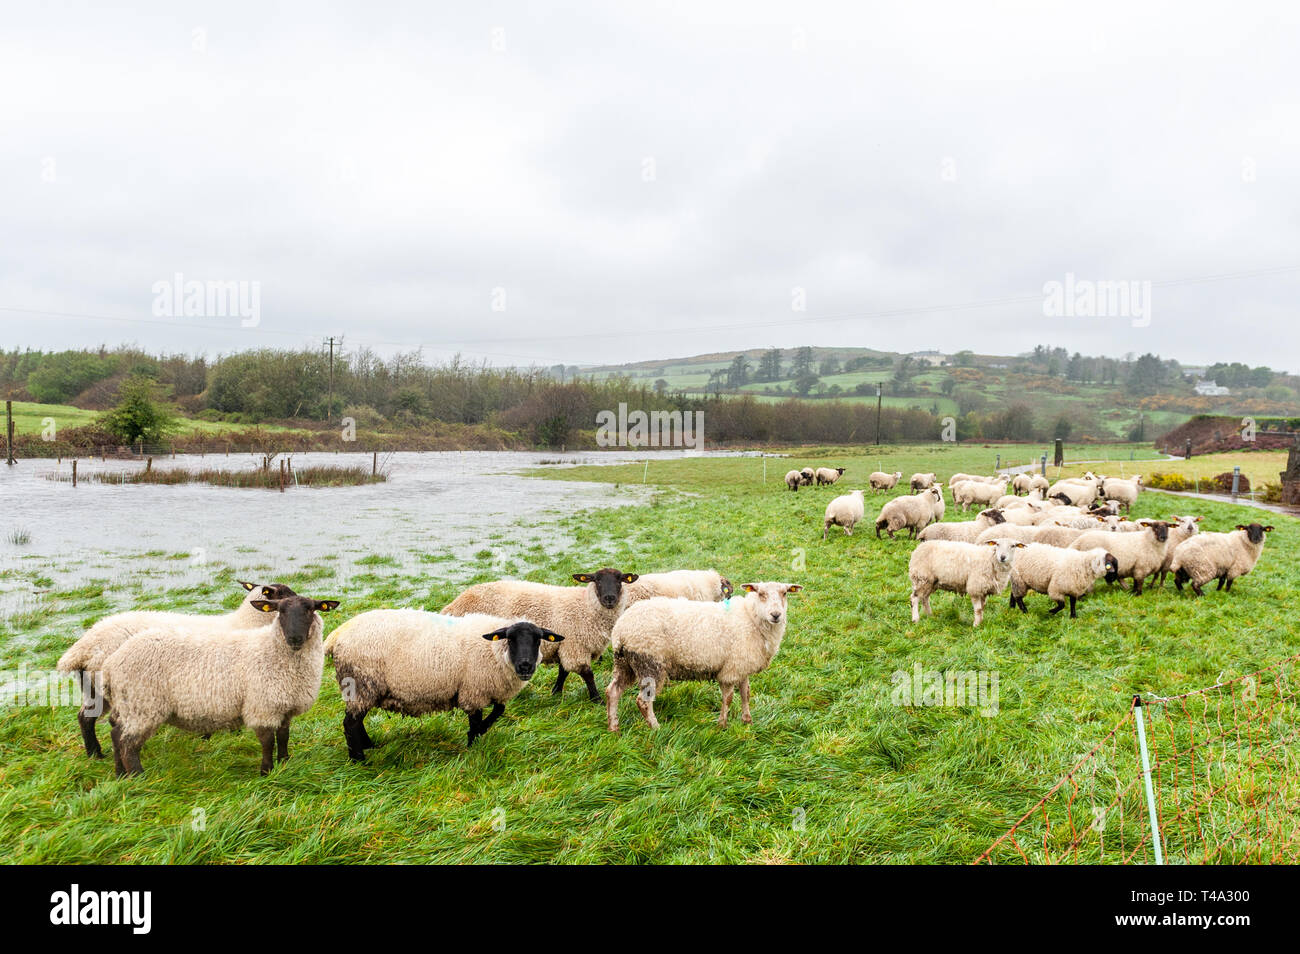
(1057, 539)
(262, 664)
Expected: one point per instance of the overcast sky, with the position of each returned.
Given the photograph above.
(606, 182)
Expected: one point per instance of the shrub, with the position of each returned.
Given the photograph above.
(1167, 482)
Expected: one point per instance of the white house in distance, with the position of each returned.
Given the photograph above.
(1209, 389)
(932, 358)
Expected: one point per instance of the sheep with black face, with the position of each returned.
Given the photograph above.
(584, 614)
(414, 662)
(205, 681)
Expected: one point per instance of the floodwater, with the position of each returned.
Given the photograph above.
(436, 511)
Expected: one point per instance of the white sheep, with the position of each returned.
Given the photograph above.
(1074, 491)
(793, 480)
(705, 585)
(807, 474)
(85, 658)
(662, 639)
(982, 478)
(882, 481)
(966, 530)
(978, 570)
(978, 492)
(828, 475)
(206, 681)
(1055, 535)
(1008, 531)
(415, 662)
(913, 513)
(921, 482)
(846, 510)
(1140, 555)
(1122, 490)
(1028, 483)
(584, 614)
(1060, 574)
(1181, 530)
(1223, 555)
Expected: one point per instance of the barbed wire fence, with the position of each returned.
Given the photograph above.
(1210, 776)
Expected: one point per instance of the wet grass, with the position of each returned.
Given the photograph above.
(830, 771)
(257, 478)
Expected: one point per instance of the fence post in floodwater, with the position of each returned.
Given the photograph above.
(148, 465)
(9, 433)
(374, 463)
(74, 473)
(1236, 480)
(281, 476)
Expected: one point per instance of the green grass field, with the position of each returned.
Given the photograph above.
(830, 770)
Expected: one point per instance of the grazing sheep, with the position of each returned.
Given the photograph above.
(1023, 516)
(1224, 555)
(882, 481)
(1060, 574)
(978, 570)
(414, 662)
(828, 475)
(85, 658)
(980, 492)
(1055, 535)
(793, 480)
(1032, 501)
(706, 585)
(921, 482)
(662, 639)
(1008, 531)
(206, 681)
(913, 513)
(1076, 491)
(1028, 483)
(1124, 491)
(807, 474)
(584, 614)
(1140, 554)
(846, 510)
(981, 478)
(966, 530)
(1056, 513)
(1181, 530)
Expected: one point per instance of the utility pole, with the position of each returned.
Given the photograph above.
(329, 408)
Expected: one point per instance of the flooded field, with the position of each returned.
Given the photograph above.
(436, 515)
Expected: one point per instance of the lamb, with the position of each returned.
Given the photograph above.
(921, 482)
(981, 492)
(913, 513)
(828, 475)
(1183, 529)
(1060, 574)
(793, 480)
(1073, 492)
(965, 531)
(709, 586)
(662, 639)
(1123, 491)
(584, 614)
(414, 662)
(85, 658)
(205, 680)
(1223, 555)
(1140, 554)
(846, 510)
(978, 570)
(882, 481)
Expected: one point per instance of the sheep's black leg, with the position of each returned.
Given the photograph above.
(354, 732)
(498, 709)
(1060, 605)
(87, 723)
(1229, 586)
(1197, 589)
(1137, 587)
(115, 733)
(475, 726)
(1180, 577)
(282, 741)
(266, 735)
(1073, 614)
(1222, 577)
(559, 680)
(589, 678)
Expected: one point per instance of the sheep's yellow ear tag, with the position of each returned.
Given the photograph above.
(266, 609)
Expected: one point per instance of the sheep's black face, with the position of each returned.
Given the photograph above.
(995, 516)
(609, 585)
(1254, 533)
(523, 646)
(297, 613)
(276, 591)
(1160, 529)
(1112, 568)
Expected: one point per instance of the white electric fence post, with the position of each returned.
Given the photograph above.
(1146, 778)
